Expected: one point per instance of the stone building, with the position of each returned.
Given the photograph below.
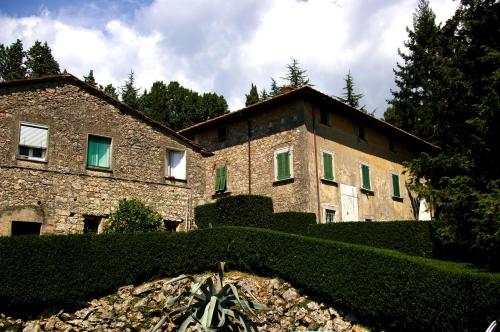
(69, 153)
(312, 153)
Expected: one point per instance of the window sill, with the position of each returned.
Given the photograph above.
(397, 199)
(33, 160)
(283, 182)
(221, 194)
(367, 192)
(329, 182)
(99, 169)
(176, 181)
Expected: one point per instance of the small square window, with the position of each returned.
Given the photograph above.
(222, 134)
(176, 165)
(99, 152)
(33, 141)
(91, 224)
(361, 132)
(330, 216)
(25, 228)
(323, 117)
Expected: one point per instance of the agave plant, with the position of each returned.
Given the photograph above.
(211, 306)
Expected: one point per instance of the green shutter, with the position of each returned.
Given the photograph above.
(283, 165)
(92, 151)
(395, 185)
(220, 179)
(327, 166)
(217, 179)
(365, 172)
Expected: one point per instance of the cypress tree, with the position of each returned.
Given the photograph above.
(253, 96)
(350, 97)
(90, 78)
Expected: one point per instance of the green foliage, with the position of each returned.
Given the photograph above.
(129, 92)
(212, 305)
(133, 216)
(90, 78)
(239, 210)
(448, 93)
(293, 222)
(253, 96)
(296, 76)
(12, 61)
(40, 62)
(110, 90)
(411, 237)
(388, 289)
(350, 97)
(179, 107)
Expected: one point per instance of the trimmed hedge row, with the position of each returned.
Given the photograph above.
(411, 237)
(239, 210)
(291, 221)
(389, 289)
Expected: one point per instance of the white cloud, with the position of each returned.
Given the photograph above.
(223, 46)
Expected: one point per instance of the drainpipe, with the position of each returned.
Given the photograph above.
(316, 165)
(249, 136)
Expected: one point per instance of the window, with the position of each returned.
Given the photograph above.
(328, 166)
(323, 117)
(221, 179)
(368, 219)
(282, 164)
(361, 132)
(25, 228)
(365, 177)
(176, 165)
(329, 215)
(99, 152)
(222, 134)
(91, 224)
(396, 192)
(33, 141)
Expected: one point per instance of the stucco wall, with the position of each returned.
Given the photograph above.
(64, 183)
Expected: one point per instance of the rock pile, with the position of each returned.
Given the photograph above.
(139, 308)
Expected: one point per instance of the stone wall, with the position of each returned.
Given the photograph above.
(63, 185)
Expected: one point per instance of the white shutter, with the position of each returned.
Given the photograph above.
(178, 164)
(33, 137)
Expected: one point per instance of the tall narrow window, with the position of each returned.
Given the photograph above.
(396, 192)
(361, 132)
(176, 165)
(33, 142)
(328, 166)
(99, 152)
(221, 179)
(365, 177)
(282, 165)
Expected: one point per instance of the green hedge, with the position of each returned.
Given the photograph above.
(411, 237)
(389, 289)
(291, 222)
(239, 210)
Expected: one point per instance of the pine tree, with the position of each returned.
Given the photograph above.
(90, 78)
(350, 97)
(253, 96)
(263, 95)
(275, 89)
(40, 62)
(12, 61)
(129, 92)
(110, 90)
(412, 103)
(296, 76)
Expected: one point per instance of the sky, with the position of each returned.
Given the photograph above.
(223, 46)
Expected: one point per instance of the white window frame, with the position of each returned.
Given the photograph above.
(370, 173)
(30, 149)
(167, 163)
(331, 208)
(323, 164)
(288, 149)
(399, 185)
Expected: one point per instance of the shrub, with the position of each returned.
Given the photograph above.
(411, 237)
(387, 288)
(240, 210)
(206, 215)
(133, 216)
(293, 222)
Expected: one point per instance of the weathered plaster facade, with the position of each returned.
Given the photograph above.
(60, 191)
(293, 120)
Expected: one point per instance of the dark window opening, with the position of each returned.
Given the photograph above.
(91, 224)
(171, 225)
(25, 228)
(222, 134)
(361, 132)
(24, 151)
(323, 117)
(391, 145)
